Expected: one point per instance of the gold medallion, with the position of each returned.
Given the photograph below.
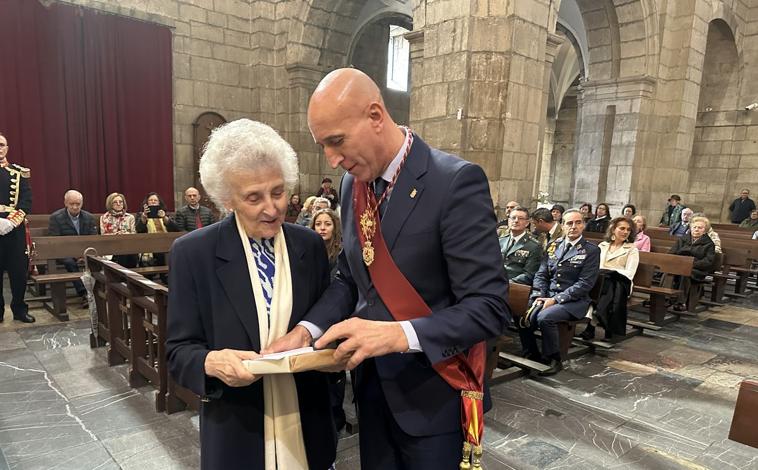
(368, 254)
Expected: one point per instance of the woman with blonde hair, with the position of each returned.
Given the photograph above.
(117, 221)
(641, 240)
(701, 247)
(306, 214)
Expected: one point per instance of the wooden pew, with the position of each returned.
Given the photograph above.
(673, 265)
(50, 249)
(97, 270)
(148, 320)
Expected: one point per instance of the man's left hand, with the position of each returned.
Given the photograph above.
(364, 339)
(546, 302)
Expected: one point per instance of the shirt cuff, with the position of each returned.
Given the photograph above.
(315, 331)
(410, 334)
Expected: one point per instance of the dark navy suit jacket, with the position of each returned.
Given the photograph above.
(439, 226)
(568, 277)
(211, 307)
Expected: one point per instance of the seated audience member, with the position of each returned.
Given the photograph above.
(629, 211)
(619, 259)
(306, 214)
(320, 203)
(672, 214)
(68, 221)
(545, 228)
(117, 221)
(700, 246)
(751, 222)
(560, 291)
(521, 252)
(502, 226)
(557, 212)
(193, 216)
(327, 224)
(293, 209)
(602, 218)
(712, 234)
(641, 241)
(327, 192)
(682, 227)
(154, 219)
(586, 210)
(741, 208)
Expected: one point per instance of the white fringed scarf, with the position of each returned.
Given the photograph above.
(285, 448)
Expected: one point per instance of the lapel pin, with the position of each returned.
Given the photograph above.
(413, 193)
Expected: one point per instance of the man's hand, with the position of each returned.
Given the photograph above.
(546, 302)
(226, 365)
(6, 226)
(298, 338)
(364, 339)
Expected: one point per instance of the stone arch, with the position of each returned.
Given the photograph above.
(622, 37)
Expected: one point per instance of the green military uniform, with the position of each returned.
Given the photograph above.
(521, 258)
(15, 203)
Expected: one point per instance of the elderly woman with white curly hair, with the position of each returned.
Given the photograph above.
(236, 286)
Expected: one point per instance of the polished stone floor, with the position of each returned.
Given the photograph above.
(660, 401)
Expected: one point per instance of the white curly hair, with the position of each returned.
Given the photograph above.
(244, 145)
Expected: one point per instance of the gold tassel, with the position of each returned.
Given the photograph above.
(465, 464)
(477, 459)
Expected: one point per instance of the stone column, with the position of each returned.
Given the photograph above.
(480, 90)
(547, 129)
(303, 79)
(546, 166)
(612, 113)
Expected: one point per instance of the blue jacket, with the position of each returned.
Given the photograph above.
(568, 277)
(439, 226)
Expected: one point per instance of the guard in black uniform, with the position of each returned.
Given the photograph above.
(15, 203)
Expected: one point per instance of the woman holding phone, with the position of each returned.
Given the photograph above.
(154, 219)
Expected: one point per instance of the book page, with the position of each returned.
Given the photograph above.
(283, 354)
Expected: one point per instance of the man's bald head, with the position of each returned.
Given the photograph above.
(348, 118)
(349, 89)
(73, 200)
(192, 196)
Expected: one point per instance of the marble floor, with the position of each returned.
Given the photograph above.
(659, 401)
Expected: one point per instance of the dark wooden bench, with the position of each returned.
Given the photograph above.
(671, 265)
(148, 306)
(50, 249)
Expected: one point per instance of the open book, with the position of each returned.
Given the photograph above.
(288, 362)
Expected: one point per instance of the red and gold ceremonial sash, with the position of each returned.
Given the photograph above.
(463, 372)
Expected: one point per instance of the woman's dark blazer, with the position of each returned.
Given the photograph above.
(703, 250)
(211, 307)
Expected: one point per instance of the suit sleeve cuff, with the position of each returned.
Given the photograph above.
(315, 331)
(410, 334)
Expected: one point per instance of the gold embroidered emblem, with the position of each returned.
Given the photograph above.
(368, 229)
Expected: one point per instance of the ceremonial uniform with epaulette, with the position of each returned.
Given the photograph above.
(567, 275)
(15, 203)
(521, 258)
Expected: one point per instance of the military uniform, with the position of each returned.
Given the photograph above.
(566, 275)
(521, 258)
(546, 238)
(15, 203)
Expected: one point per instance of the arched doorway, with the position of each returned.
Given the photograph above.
(201, 131)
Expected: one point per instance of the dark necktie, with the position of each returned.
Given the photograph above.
(379, 186)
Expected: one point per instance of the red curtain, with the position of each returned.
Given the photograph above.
(85, 103)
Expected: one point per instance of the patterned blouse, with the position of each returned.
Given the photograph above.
(111, 224)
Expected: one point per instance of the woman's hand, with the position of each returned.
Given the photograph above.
(162, 214)
(226, 365)
(145, 211)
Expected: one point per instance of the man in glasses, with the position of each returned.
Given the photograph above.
(521, 251)
(503, 227)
